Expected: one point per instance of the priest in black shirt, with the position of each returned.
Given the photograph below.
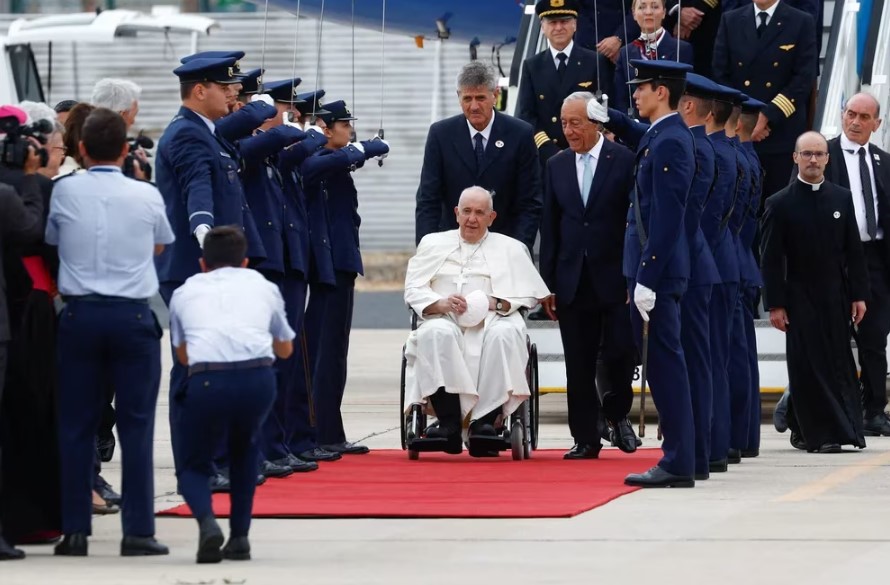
(816, 285)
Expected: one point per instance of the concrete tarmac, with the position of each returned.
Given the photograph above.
(785, 517)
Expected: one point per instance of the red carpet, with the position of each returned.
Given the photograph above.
(384, 484)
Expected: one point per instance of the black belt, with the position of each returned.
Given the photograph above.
(104, 299)
(227, 366)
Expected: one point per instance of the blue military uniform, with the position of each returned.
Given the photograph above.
(331, 194)
(656, 256)
(106, 227)
(543, 86)
(665, 48)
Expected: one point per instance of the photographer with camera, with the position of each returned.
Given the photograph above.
(122, 96)
(21, 222)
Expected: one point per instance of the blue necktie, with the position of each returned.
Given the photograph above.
(480, 151)
(587, 179)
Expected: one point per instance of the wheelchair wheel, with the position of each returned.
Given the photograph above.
(517, 438)
(534, 401)
(402, 416)
(526, 424)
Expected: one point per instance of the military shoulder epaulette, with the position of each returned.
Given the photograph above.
(66, 175)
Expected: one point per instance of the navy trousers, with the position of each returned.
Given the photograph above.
(328, 324)
(695, 336)
(669, 382)
(301, 432)
(751, 295)
(231, 404)
(721, 310)
(121, 339)
(178, 380)
(739, 377)
(290, 409)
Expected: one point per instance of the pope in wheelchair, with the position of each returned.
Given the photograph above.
(468, 358)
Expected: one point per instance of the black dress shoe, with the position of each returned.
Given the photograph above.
(297, 464)
(72, 545)
(142, 546)
(319, 454)
(780, 414)
(828, 448)
(482, 429)
(8, 553)
(346, 448)
(734, 456)
(702, 476)
(105, 448)
(106, 492)
(718, 466)
(583, 451)
(237, 549)
(750, 453)
(623, 436)
(876, 426)
(448, 431)
(210, 539)
(219, 483)
(658, 477)
(269, 469)
(798, 442)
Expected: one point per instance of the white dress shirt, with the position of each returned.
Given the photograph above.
(769, 11)
(567, 51)
(228, 315)
(851, 158)
(210, 125)
(486, 132)
(594, 159)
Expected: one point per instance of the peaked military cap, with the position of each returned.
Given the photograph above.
(752, 106)
(557, 9)
(336, 111)
(646, 70)
(727, 94)
(310, 101)
(237, 55)
(250, 81)
(284, 91)
(220, 70)
(700, 86)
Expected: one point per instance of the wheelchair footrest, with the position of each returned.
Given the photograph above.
(488, 443)
(428, 444)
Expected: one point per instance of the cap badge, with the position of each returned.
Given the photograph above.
(231, 72)
(557, 3)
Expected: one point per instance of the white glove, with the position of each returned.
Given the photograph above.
(286, 121)
(315, 128)
(201, 233)
(262, 97)
(598, 112)
(644, 299)
(359, 146)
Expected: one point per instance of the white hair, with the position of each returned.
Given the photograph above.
(118, 95)
(584, 96)
(476, 190)
(38, 111)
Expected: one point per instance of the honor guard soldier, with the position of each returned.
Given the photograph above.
(768, 50)
(107, 228)
(226, 325)
(551, 75)
(656, 263)
(198, 173)
(331, 192)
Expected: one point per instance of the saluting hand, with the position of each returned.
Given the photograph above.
(858, 312)
(779, 319)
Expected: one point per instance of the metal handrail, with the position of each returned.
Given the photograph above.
(840, 78)
(877, 80)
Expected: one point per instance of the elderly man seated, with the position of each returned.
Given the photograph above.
(468, 354)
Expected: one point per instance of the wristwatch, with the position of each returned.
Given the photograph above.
(499, 305)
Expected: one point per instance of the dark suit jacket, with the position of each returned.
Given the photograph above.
(511, 170)
(21, 222)
(605, 18)
(574, 235)
(778, 69)
(541, 93)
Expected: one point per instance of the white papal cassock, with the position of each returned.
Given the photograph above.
(484, 364)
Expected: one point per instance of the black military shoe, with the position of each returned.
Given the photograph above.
(210, 539)
(877, 426)
(319, 454)
(237, 549)
(72, 545)
(106, 492)
(269, 469)
(9, 553)
(658, 477)
(297, 464)
(734, 456)
(346, 448)
(750, 453)
(142, 546)
(219, 483)
(718, 466)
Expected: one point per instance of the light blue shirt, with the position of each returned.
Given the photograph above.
(106, 227)
(228, 315)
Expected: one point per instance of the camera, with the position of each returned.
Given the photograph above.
(15, 145)
(145, 143)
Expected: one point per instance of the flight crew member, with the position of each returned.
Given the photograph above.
(605, 26)
(198, 175)
(582, 236)
(331, 191)
(751, 293)
(768, 51)
(654, 43)
(715, 225)
(493, 150)
(694, 108)
(656, 262)
(749, 277)
(107, 329)
(226, 325)
(551, 75)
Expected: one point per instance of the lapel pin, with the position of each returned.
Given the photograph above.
(837, 215)
(499, 144)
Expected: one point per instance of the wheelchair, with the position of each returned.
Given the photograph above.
(518, 433)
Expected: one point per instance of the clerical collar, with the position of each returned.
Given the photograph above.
(814, 186)
(653, 37)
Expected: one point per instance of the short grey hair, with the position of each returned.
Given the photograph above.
(38, 111)
(118, 95)
(476, 74)
(576, 96)
(476, 190)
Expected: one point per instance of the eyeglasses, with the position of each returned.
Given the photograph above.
(808, 154)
